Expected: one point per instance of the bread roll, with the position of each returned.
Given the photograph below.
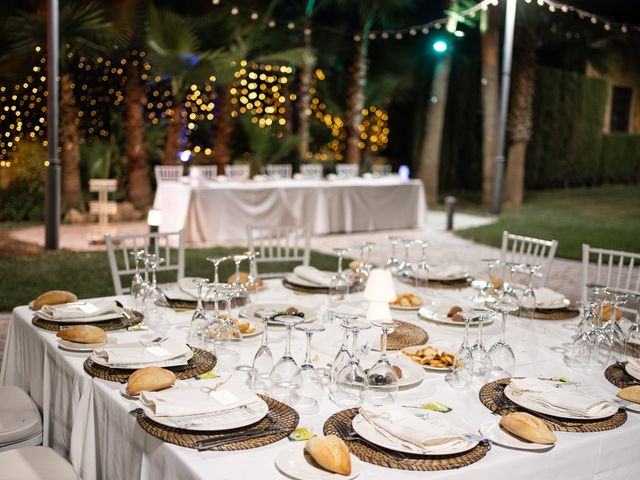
(150, 379)
(528, 427)
(54, 297)
(453, 311)
(631, 394)
(243, 278)
(331, 453)
(83, 334)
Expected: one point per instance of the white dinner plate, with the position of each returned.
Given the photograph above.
(368, 432)
(412, 374)
(555, 306)
(536, 407)
(437, 312)
(84, 347)
(251, 311)
(293, 461)
(395, 306)
(125, 394)
(429, 367)
(257, 329)
(93, 319)
(497, 434)
(632, 406)
(632, 371)
(173, 362)
(214, 422)
(294, 279)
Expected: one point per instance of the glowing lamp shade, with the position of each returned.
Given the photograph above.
(154, 218)
(404, 173)
(379, 311)
(380, 287)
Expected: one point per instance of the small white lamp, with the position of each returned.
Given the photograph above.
(379, 292)
(154, 219)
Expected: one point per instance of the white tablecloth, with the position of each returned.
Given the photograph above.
(88, 420)
(220, 212)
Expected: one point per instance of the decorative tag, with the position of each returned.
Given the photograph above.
(158, 351)
(435, 406)
(224, 397)
(300, 434)
(88, 308)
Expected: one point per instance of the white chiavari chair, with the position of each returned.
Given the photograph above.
(237, 173)
(277, 171)
(20, 422)
(203, 172)
(533, 251)
(613, 268)
(347, 170)
(311, 171)
(169, 246)
(278, 245)
(167, 173)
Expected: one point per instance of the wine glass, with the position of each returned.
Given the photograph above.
(361, 272)
(502, 357)
(339, 285)
(368, 249)
(263, 359)
(528, 298)
(200, 318)
(216, 265)
(393, 264)
(481, 358)
(488, 293)
(137, 281)
(285, 369)
(351, 381)
(252, 285)
(241, 291)
(462, 372)
(382, 377)
(422, 268)
(343, 356)
(405, 271)
(307, 383)
(612, 327)
(634, 330)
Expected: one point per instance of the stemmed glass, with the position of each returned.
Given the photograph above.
(241, 289)
(602, 342)
(405, 271)
(368, 248)
(343, 356)
(488, 292)
(393, 264)
(481, 358)
(351, 381)
(634, 329)
(137, 282)
(528, 298)
(382, 377)
(462, 372)
(200, 318)
(216, 265)
(361, 272)
(285, 369)
(307, 383)
(502, 357)
(422, 268)
(155, 299)
(252, 279)
(263, 359)
(339, 285)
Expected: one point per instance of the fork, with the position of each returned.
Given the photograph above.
(351, 436)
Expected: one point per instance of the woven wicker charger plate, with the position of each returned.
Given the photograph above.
(560, 314)
(406, 335)
(287, 419)
(449, 284)
(108, 325)
(201, 362)
(492, 396)
(412, 462)
(617, 375)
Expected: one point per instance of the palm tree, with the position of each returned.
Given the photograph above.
(84, 29)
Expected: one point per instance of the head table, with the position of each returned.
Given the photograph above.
(88, 420)
(216, 212)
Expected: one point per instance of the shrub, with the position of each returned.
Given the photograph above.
(22, 192)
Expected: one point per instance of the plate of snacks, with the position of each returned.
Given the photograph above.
(430, 357)
(407, 301)
(447, 314)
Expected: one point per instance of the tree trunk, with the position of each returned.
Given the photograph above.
(429, 166)
(172, 143)
(139, 182)
(355, 99)
(70, 142)
(224, 131)
(304, 98)
(520, 122)
(490, 99)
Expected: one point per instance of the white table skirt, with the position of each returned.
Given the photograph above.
(87, 419)
(220, 212)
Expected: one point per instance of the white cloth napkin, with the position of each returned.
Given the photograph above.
(633, 368)
(547, 298)
(428, 435)
(446, 272)
(312, 274)
(79, 309)
(141, 352)
(175, 402)
(559, 397)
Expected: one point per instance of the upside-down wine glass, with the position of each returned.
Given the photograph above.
(393, 263)
(481, 358)
(633, 333)
(488, 293)
(263, 359)
(216, 265)
(351, 381)
(137, 282)
(241, 290)
(462, 372)
(368, 249)
(382, 377)
(285, 369)
(307, 383)
(406, 272)
(422, 268)
(200, 318)
(252, 284)
(502, 357)
(343, 356)
(528, 297)
(339, 285)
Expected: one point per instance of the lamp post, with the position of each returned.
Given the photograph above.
(52, 183)
(507, 54)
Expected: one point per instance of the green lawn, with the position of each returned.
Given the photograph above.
(23, 276)
(607, 217)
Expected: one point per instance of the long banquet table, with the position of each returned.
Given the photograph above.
(219, 212)
(87, 419)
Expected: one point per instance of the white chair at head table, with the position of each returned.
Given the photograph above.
(529, 250)
(311, 171)
(347, 170)
(237, 173)
(203, 172)
(613, 268)
(169, 246)
(276, 171)
(279, 245)
(168, 173)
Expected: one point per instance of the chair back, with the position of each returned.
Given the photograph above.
(311, 170)
(279, 244)
(169, 246)
(534, 251)
(276, 171)
(347, 170)
(203, 172)
(168, 173)
(614, 268)
(237, 173)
